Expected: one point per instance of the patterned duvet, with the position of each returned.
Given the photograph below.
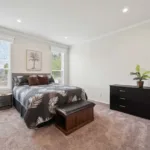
(40, 101)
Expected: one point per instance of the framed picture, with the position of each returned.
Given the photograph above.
(33, 60)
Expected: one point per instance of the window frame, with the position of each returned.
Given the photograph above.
(65, 51)
(62, 68)
(9, 83)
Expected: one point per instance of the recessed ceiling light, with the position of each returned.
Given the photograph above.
(66, 37)
(19, 20)
(125, 9)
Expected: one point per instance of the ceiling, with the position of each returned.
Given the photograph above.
(79, 20)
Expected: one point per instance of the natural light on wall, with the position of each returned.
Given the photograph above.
(5, 69)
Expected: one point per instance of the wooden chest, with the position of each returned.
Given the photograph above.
(73, 116)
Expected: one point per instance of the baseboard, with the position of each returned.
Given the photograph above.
(99, 101)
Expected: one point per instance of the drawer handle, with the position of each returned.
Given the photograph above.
(122, 98)
(122, 106)
(122, 91)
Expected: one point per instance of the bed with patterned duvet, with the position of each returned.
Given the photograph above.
(37, 103)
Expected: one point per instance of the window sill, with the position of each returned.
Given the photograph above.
(5, 89)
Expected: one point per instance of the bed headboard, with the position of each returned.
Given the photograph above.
(24, 74)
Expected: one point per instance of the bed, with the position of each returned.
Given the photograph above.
(37, 104)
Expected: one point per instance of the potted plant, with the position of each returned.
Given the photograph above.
(140, 76)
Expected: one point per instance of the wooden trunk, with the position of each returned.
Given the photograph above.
(72, 122)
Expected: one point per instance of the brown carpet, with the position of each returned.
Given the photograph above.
(111, 130)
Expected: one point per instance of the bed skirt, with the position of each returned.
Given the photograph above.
(22, 112)
(19, 107)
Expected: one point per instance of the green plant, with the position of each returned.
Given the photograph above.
(6, 68)
(140, 75)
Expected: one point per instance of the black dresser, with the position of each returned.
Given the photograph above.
(130, 99)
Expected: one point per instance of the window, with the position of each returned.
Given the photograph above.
(58, 66)
(5, 64)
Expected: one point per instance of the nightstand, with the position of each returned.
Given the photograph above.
(5, 100)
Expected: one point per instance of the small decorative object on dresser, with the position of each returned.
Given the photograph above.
(140, 76)
(130, 99)
(5, 100)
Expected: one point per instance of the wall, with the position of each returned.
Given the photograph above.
(19, 47)
(96, 64)
(21, 42)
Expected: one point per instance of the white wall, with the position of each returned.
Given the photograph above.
(97, 64)
(18, 55)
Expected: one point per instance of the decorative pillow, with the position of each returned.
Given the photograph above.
(33, 80)
(15, 81)
(41, 75)
(43, 80)
(20, 80)
(51, 79)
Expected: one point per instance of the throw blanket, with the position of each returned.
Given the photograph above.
(40, 101)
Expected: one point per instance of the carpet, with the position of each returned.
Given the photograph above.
(111, 130)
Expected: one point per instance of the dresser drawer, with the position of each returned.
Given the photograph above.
(5, 101)
(120, 91)
(123, 108)
(119, 95)
(123, 101)
(123, 104)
